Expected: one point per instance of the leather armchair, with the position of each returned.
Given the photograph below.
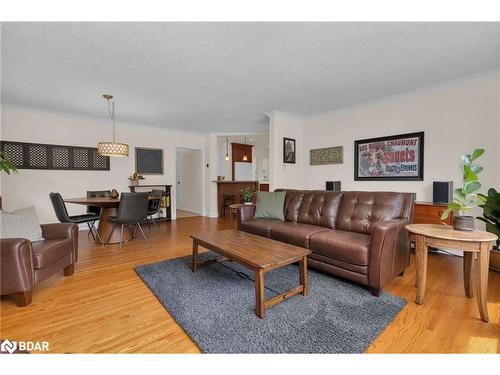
(24, 264)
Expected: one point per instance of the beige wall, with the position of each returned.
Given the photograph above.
(32, 187)
(456, 118)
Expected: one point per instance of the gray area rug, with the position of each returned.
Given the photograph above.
(215, 307)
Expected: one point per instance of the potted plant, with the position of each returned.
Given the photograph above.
(466, 196)
(7, 166)
(135, 178)
(491, 216)
(247, 194)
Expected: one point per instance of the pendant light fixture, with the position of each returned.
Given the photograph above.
(245, 157)
(112, 148)
(227, 149)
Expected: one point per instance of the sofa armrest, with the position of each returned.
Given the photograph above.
(16, 266)
(57, 231)
(245, 213)
(389, 252)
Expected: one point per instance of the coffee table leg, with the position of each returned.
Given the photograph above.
(194, 259)
(483, 261)
(421, 266)
(303, 275)
(469, 269)
(260, 308)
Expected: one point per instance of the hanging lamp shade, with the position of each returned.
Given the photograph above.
(112, 148)
(227, 149)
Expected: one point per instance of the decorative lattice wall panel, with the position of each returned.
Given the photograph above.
(42, 156)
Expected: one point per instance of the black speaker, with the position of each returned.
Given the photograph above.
(333, 185)
(442, 191)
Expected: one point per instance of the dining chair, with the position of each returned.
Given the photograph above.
(63, 216)
(96, 210)
(132, 210)
(154, 208)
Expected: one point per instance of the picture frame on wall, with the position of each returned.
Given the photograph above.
(289, 151)
(148, 161)
(392, 158)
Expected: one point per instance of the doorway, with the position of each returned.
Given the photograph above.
(188, 183)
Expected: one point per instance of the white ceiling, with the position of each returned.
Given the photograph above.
(223, 76)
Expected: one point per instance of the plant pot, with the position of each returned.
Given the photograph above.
(248, 202)
(463, 222)
(134, 182)
(495, 260)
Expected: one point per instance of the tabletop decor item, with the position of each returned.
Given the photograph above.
(466, 197)
(247, 194)
(329, 155)
(491, 216)
(394, 158)
(289, 150)
(114, 194)
(135, 178)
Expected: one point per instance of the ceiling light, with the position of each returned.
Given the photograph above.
(112, 148)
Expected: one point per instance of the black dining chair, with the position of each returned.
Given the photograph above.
(96, 210)
(62, 215)
(132, 210)
(154, 208)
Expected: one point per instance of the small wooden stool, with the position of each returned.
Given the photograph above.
(227, 201)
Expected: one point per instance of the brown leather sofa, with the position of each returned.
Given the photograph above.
(25, 264)
(355, 235)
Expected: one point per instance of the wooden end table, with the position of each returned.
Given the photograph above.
(470, 242)
(257, 253)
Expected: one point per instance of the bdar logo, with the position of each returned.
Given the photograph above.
(8, 346)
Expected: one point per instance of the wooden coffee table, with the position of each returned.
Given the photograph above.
(258, 254)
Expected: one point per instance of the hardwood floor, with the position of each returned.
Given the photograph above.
(106, 308)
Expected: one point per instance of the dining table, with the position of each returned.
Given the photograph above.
(109, 207)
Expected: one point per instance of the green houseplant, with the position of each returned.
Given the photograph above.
(247, 194)
(491, 216)
(7, 166)
(466, 197)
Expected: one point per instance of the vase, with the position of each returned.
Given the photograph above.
(134, 183)
(463, 222)
(114, 194)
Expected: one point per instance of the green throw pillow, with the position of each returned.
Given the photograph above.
(270, 205)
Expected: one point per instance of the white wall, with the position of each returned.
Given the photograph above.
(456, 118)
(191, 178)
(283, 175)
(31, 187)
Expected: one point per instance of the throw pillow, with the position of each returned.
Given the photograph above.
(270, 205)
(22, 223)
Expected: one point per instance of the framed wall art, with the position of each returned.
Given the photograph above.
(325, 156)
(289, 150)
(397, 157)
(148, 160)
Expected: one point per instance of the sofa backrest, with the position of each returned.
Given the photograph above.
(315, 207)
(355, 211)
(360, 210)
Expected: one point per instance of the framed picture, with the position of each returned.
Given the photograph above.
(397, 157)
(289, 150)
(324, 156)
(148, 160)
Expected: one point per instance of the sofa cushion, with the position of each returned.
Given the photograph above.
(320, 208)
(260, 227)
(359, 210)
(293, 201)
(350, 247)
(48, 251)
(270, 205)
(295, 233)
